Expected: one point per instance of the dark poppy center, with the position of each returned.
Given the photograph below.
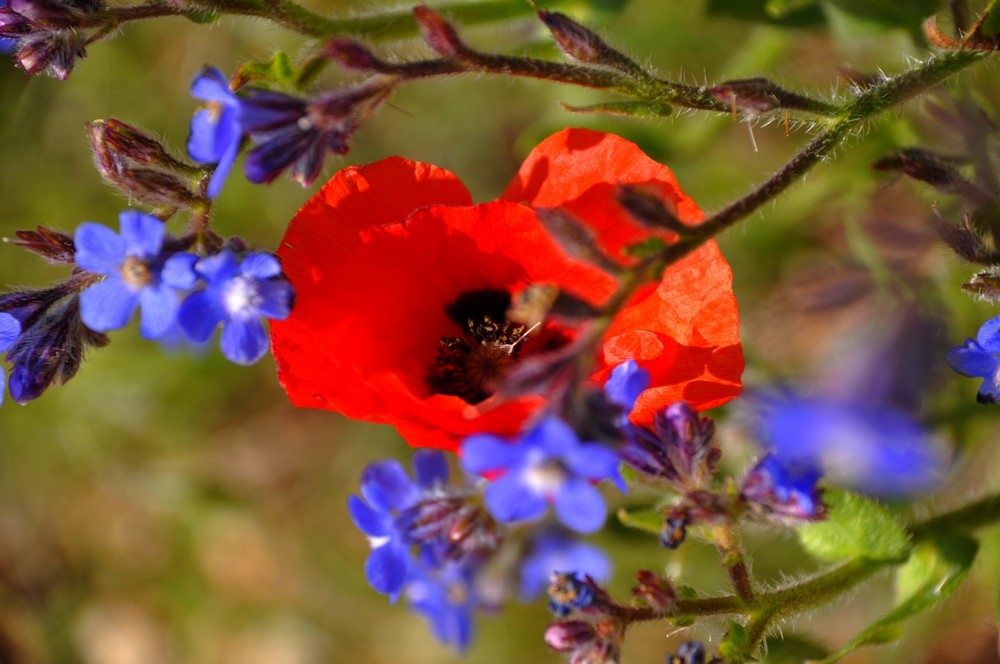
(473, 364)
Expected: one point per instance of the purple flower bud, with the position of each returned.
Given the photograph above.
(438, 33)
(681, 448)
(654, 590)
(53, 53)
(574, 39)
(53, 246)
(570, 635)
(354, 55)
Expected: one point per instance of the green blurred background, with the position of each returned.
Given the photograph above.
(164, 507)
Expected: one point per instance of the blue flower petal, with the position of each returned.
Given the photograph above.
(972, 360)
(142, 233)
(98, 248)
(209, 84)
(485, 452)
(593, 461)
(553, 436)
(386, 486)
(107, 305)
(626, 382)
(431, 468)
(369, 521)
(386, 568)
(989, 335)
(10, 330)
(509, 500)
(244, 341)
(218, 267)
(159, 310)
(260, 265)
(200, 313)
(580, 506)
(178, 271)
(275, 299)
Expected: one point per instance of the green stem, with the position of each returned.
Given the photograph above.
(865, 107)
(975, 515)
(385, 26)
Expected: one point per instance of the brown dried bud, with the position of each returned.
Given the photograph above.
(937, 170)
(985, 285)
(964, 240)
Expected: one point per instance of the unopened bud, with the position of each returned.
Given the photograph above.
(51, 245)
(654, 590)
(569, 636)
(155, 187)
(755, 96)
(113, 141)
(649, 209)
(575, 238)
(53, 53)
(440, 35)
(353, 55)
(936, 170)
(674, 532)
(985, 285)
(574, 39)
(45, 13)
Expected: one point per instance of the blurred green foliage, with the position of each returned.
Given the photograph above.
(165, 507)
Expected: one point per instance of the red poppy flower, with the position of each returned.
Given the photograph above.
(402, 283)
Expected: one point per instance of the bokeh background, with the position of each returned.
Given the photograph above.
(167, 507)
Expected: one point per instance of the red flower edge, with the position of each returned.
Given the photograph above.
(382, 250)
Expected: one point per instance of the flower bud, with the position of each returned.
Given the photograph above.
(440, 35)
(51, 245)
(574, 39)
(354, 55)
(53, 53)
(649, 209)
(569, 636)
(654, 590)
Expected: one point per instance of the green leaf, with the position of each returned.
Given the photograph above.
(735, 643)
(933, 573)
(855, 527)
(650, 521)
(279, 71)
(790, 13)
(793, 649)
(991, 24)
(871, 17)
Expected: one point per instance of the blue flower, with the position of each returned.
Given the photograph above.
(980, 358)
(137, 274)
(216, 132)
(10, 330)
(387, 492)
(547, 464)
(237, 295)
(623, 387)
(868, 447)
(446, 597)
(785, 489)
(555, 551)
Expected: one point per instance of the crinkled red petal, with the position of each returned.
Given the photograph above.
(686, 331)
(320, 237)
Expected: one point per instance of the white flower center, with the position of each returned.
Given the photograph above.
(242, 298)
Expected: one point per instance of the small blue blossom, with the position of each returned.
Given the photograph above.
(387, 492)
(868, 447)
(546, 464)
(785, 489)
(980, 358)
(216, 132)
(446, 597)
(555, 551)
(237, 295)
(10, 330)
(623, 387)
(569, 593)
(137, 274)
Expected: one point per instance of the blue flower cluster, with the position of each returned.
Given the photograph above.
(980, 358)
(431, 542)
(287, 132)
(142, 269)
